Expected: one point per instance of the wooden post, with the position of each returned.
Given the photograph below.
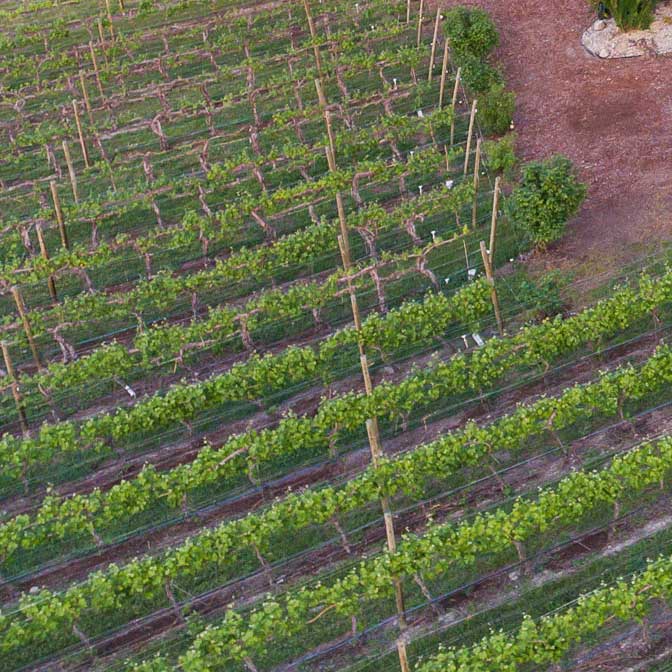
(327, 116)
(59, 214)
(109, 18)
(101, 38)
(122, 8)
(21, 307)
(16, 393)
(372, 428)
(85, 94)
(45, 255)
(95, 69)
(458, 77)
(311, 27)
(444, 71)
(422, 5)
(493, 292)
(495, 208)
(82, 144)
(408, 11)
(436, 37)
(467, 151)
(71, 171)
(477, 180)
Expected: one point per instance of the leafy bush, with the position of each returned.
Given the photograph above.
(549, 194)
(629, 14)
(496, 108)
(472, 36)
(471, 33)
(501, 154)
(477, 75)
(542, 297)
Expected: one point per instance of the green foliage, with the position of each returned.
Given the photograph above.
(496, 108)
(542, 296)
(46, 612)
(501, 154)
(630, 14)
(548, 196)
(471, 32)
(548, 639)
(478, 75)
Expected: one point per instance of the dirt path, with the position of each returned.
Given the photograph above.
(613, 118)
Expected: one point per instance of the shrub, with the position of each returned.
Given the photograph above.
(477, 75)
(630, 14)
(549, 194)
(496, 108)
(471, 33)
(501, 155)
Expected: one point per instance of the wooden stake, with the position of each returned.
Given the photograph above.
(95, 69)
(82, 144)
(71, 171)
(477, 180)
(327, 118)
(16, 393)
(493, 292)
(311, 27)
(21, 307)
(466, 255)
(372, 428)
(85, 94)
(122, 8)
(59, 214)
(408, 11)
(101, 34)
(45, 255)
(422, 5)
(109, 18)
(436, 37)
(472, 118)
(458, 77)
(444, 72)
(495, 208)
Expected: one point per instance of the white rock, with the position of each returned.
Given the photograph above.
(600, 24)
(603, 53)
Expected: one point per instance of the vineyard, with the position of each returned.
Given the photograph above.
(278, 391)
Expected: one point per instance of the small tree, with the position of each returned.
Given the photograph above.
(549, 194)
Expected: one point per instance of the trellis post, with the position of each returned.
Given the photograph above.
(59, 214)
(71, 171)
(434, 41)
(21, 307)
(495, 213)
(422, 6)
(82, 143)
(45, 255)
(444, 72)
(477, 181)
(487, 264)
(453, 106)
(470, 133)
(16, 393)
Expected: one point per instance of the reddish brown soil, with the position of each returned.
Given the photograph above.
(611, 117)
